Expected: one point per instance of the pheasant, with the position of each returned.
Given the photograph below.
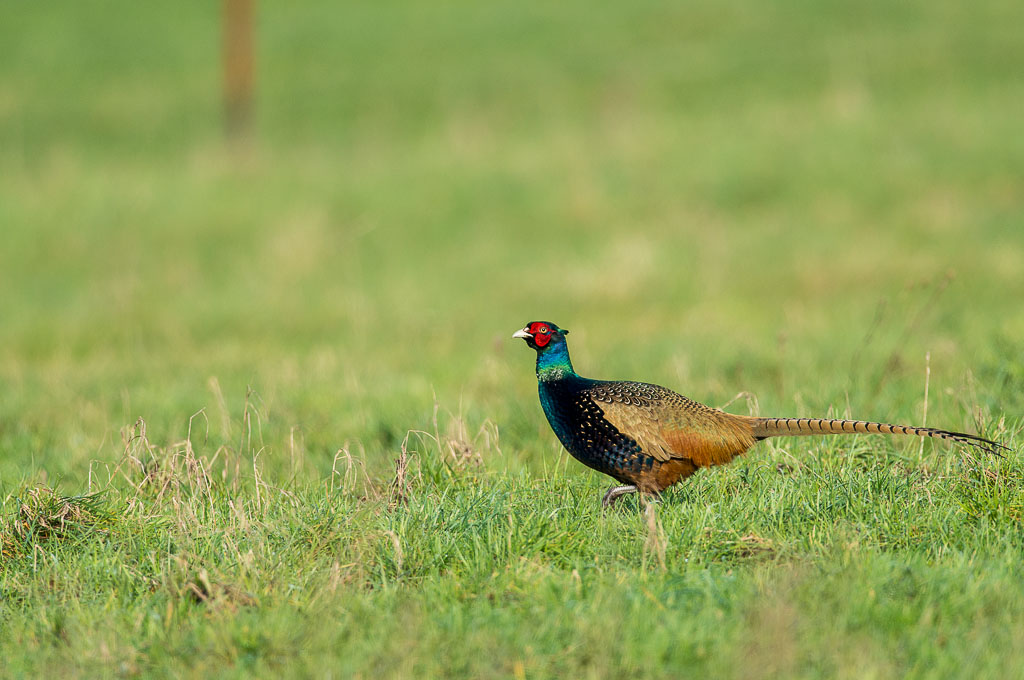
(648, 438)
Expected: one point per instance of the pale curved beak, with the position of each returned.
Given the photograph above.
(524, 334)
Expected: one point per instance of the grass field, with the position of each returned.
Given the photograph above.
(260, 413)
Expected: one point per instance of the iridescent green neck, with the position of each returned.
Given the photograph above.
(553, 363)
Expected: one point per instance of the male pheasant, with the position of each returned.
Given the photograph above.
(648, 437)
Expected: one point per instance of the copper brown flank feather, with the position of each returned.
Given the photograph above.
(648, 437)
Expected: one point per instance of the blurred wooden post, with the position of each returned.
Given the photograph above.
(238, 67)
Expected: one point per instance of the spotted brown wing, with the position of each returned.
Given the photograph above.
(669, 426)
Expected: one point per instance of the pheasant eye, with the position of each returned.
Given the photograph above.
(543, 329)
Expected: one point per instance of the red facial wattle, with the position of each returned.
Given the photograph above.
(541, 334)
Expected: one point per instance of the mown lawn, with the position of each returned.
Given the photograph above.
(259, 408)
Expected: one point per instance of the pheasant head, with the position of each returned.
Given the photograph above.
(552, 351)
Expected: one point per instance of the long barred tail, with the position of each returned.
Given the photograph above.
(789, 427)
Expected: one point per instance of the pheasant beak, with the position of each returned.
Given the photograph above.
(524, 334)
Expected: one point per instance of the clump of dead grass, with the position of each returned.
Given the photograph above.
(217, 594)
(729, 545)
(44, 515)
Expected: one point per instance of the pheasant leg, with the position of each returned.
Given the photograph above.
(614, 493)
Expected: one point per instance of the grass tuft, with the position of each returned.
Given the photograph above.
(42, 515)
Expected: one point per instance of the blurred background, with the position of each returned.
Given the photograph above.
(795, 199)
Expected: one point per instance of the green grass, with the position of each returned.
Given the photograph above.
(211, 358)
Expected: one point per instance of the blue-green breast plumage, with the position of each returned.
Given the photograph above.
(579, 423)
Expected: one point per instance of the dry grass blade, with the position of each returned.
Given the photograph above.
(398, 493)
(656, 542)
